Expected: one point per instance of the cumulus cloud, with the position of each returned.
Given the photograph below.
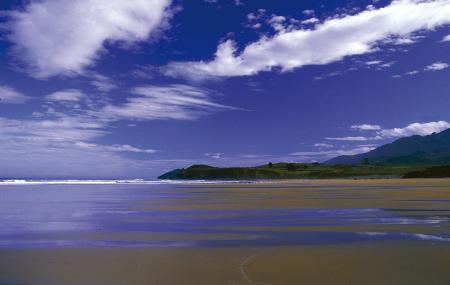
(421, 129)
(9, 95)
(64, 37)
(328, 42)
(446, 38)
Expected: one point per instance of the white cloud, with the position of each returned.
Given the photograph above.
(412, 72)
(9, 95)
(310, 21)
(63, 147)
(387, 64)
(308, 12)
(52, 130)
(374, 62)
(102, 83)
(66, 95)
(328, 42)
(323, 145)
(366, 127)
(350, 138)
(421, 129)
(436, 66)
(446, 38)
(332, 153)
(63, 37)
(276, 22)
(177, 101)
(215, 155)
(113, 148)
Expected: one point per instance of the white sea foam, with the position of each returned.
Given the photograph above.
(373, 233)
(407, 235)
(101, 182)
(431, 237)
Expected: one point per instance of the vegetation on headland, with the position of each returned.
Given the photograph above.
(432, 172)
(407, 157)
(288, 171)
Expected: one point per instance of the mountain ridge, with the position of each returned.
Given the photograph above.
(433, 149)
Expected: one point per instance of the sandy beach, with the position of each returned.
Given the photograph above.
(362, 263)
(291, 232)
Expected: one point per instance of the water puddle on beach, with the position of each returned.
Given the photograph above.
(245, 218)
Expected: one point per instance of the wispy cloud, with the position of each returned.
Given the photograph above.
(114, 148)
(9, 95)
(328, 42)
(73, 95)
(350, 138)
(323, 145)
(436, 66)
(72, 124)
(215, 155)
(324, 154)
(64, 37)
(177, 101)
(366, 127)
(101, 82)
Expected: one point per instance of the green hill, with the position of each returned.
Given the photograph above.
(407, 157)
(286, 171)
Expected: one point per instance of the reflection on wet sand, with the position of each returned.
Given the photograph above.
(290, 232)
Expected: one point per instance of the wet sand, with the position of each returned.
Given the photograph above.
(362, 263)
(290, 232)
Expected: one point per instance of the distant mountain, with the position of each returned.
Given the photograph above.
(433, 149)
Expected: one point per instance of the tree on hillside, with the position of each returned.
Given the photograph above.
(291, 167)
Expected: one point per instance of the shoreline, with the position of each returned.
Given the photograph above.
(12, 182)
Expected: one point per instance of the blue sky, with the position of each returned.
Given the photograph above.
(131, 89)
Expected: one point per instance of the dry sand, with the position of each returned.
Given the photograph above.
(405, 263)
